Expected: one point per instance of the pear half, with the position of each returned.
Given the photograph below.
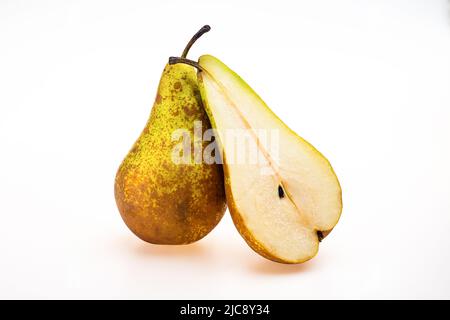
(286, 201)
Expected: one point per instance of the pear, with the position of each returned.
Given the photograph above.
(160, 200)
(285, 199)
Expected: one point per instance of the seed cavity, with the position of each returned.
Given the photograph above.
(280, 192)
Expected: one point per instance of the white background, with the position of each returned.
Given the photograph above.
(367, 82)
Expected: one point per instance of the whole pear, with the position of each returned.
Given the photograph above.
(160, 200)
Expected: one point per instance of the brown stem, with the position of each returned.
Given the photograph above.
(199, 33)
(175, 60)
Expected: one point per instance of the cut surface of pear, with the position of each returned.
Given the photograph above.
(285, 202)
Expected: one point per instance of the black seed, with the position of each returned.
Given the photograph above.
(320, 235)
(280, 192)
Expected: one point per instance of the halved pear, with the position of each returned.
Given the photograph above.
(286, 201)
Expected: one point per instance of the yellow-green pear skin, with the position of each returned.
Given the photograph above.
(163, 202)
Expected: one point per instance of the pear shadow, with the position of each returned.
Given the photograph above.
(185, 250)
(268, 267)
(204, 252)
(145, 249)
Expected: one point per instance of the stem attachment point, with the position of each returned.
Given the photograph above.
(175, 60)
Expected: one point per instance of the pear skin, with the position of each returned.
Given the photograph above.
(161, 201)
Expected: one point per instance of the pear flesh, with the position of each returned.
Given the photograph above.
(287, 201)
(161, 201)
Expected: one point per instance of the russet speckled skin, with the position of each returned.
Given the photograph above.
(160, 201)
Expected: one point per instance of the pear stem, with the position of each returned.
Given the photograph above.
(175, 60)
(199, 33)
